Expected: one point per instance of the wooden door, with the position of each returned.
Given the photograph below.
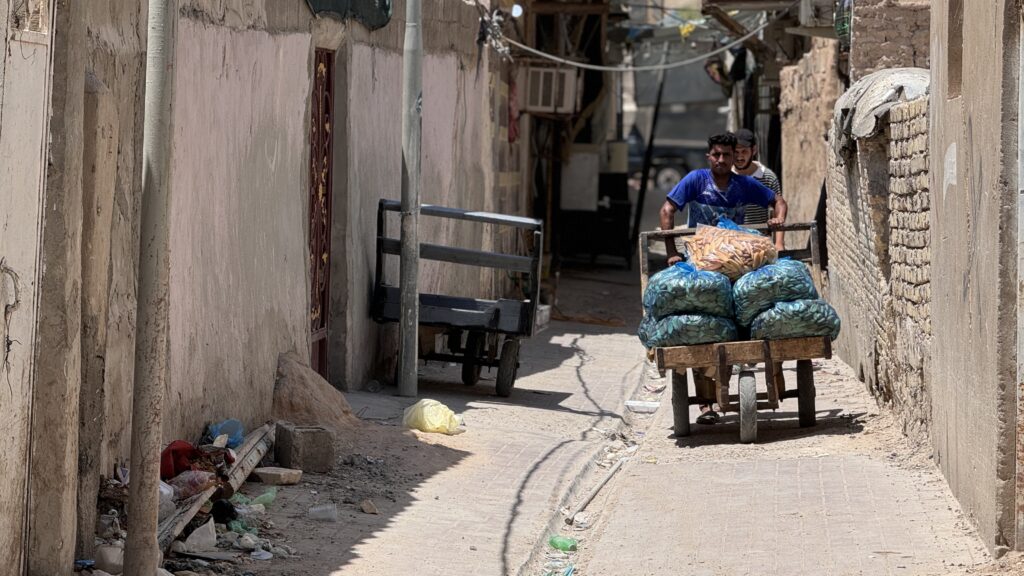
(321, 153)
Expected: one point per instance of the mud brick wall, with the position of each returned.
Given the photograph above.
(905, 365)
(879, 250)
(809, 90)
(858, 242)
(889, 34)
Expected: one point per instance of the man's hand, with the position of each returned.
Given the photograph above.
(673, 260)
(775, 222)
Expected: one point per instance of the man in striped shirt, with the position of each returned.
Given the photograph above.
(747, 165)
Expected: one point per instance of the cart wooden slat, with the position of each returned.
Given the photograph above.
(745, 352)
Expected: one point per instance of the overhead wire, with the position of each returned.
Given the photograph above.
(653, 67)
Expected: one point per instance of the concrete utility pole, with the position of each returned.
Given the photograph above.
(412, 124)
(151, 339)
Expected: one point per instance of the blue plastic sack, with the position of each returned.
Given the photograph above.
(682, 289)
(799, 319)
(685, 330)
(730, 225)
(760, 290)
(233, 428)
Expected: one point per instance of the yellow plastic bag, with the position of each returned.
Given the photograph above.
(432, 416)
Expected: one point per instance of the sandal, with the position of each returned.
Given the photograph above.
(708, 417)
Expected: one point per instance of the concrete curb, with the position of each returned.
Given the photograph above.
(575, 485)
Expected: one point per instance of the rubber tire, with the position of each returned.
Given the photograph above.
(667, 177)
(680, 402)
(806, 393)
(474, 349)
(508, 365)
(748, 407)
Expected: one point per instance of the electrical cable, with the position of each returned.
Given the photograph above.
(651, 68)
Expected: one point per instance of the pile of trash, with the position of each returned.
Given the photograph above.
(204, 524)
(733, 281)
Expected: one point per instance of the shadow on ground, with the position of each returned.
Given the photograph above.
(382, 464)
(386, 464)
(779, 426)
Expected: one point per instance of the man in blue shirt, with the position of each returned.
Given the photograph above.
(711, 195)
(717, 193)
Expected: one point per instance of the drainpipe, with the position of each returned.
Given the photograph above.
(151, 338)
(412, 105)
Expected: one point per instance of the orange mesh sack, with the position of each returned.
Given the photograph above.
(730, 251)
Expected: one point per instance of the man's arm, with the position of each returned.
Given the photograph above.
(678, 197)
(776, 186)
(780, 208)
(668, 222)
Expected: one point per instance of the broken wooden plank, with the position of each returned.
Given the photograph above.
(256, 445)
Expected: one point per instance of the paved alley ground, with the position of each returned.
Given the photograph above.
(847, 497)
(479, 502)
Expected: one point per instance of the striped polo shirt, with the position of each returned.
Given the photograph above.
(759, 214)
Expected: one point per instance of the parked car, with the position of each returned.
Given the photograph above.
(672, 160)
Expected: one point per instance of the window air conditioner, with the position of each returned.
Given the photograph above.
(552, 90)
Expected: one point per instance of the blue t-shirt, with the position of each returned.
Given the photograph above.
(708, 203)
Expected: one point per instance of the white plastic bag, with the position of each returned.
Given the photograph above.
(432, 416)
(167, 505)
(202, 539)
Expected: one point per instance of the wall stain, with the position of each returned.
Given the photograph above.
(10, 300)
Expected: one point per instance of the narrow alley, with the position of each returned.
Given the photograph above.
(512, 287)
(482, 501)
(850, 496)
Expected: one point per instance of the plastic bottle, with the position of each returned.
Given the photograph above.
(267, 498)
(563, 543)
(324, 513)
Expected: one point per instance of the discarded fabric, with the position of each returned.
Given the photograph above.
(784, 281)
(176, 458)
(799, 319)
(432, 416)
(683, 289)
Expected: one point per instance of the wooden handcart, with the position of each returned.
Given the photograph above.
(477, 332)
(711, 364)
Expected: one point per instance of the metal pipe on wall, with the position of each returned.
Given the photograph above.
(412, 124)
(142, 555)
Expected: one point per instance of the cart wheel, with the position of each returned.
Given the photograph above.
(508, 364)
(474, 350)
(748, 407)
(680, 402)
(806, 392)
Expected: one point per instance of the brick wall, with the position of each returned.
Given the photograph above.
(888, 34)
(857, 224)
(809, 90)
(879, 275)
(904, 368)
